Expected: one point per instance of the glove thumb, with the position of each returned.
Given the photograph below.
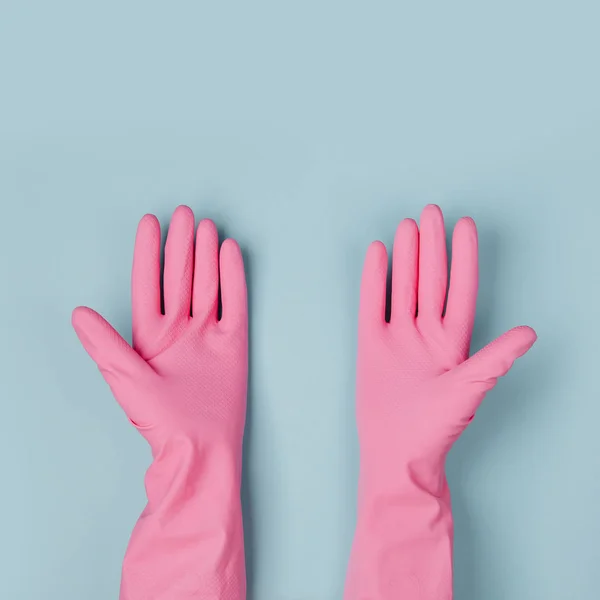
(480, 373)
(118, 362)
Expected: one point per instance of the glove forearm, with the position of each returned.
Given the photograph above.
(403, 542)
(188, 542)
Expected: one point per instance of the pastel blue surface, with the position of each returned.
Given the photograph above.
(305, 130)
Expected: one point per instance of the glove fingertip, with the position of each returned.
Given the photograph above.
(526, 338)
(80, 318)
(78, 314)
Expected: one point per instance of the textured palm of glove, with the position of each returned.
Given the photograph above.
(417, 390)
(183, 384)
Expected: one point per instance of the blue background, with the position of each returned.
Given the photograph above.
(306, 130)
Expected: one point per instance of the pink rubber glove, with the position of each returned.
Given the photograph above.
(183, 385)
(417, 390)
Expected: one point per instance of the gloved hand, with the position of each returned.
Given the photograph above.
(417, 390)
(183, 385)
